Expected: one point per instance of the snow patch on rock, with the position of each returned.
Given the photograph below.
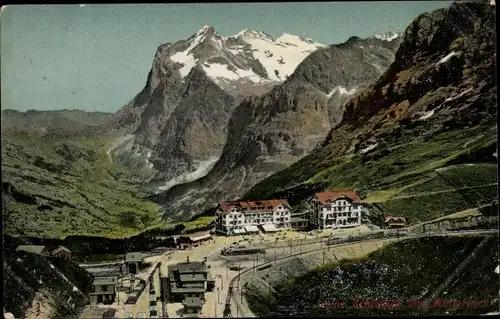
(427, 115)
(458, 95)
(369, 148)
(446, 58)
(389, 36)
(342, 91)
(217, 70)
(201, 171)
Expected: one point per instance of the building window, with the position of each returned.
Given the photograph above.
(104, 288)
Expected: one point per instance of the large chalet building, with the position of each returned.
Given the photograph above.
(335, 209)
(236, 218)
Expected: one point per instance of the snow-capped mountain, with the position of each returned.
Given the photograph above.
(388, 36)
(180, 117)
(248, 56)
(267, 133)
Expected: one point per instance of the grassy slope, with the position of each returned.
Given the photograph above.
(409, 270)
(403, 168)
(70, 188)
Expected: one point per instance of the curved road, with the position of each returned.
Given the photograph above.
(230, 296)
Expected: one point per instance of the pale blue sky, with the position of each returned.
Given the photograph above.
(97, 57)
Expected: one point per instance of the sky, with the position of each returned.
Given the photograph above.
(96, 57)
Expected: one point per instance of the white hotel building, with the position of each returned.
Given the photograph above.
(236, 218)
(336, 209)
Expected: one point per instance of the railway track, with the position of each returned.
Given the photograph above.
(231, 289)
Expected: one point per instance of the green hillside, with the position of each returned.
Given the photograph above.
(420, 178)
(58, 185)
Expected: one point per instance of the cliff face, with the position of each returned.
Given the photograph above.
(38, 287)
(270, 132)
(451, 51)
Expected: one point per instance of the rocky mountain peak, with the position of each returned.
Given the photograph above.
(252, 34)
(207, 29)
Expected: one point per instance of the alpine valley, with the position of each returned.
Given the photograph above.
(408, 120)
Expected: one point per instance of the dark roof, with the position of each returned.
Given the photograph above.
(104, 281)
(176, 289)
(395, 219)
(192, 277)
(192, 302)
(59, 249)
(193, 266)
(34, 249)
(133, 257)
(298, 219)
(298, 214)
(254, 206)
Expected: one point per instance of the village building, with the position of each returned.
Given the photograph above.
(193, 240)
(300, 221)
(237, 218)
(132, 262)
(336, 209)
(62, 252)
(185, 280)
(103, 290)
(34, 249)
(394, 222)
(192, 306)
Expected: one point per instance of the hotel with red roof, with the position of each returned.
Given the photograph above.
(235, 218)
(336, 209)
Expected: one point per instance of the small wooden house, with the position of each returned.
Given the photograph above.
(133, 261)
(193, 240)
(103, 290)
(394, 222)
(62, 252)
(192, 305)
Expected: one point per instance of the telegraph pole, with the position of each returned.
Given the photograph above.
(239, 272)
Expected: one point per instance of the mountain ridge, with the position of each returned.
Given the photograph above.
(433, 109)
(191, 91)
(269, 132)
